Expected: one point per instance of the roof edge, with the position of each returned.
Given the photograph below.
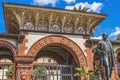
(51, 8)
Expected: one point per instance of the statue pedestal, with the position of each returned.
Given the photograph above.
(102, 69)
(114, 73)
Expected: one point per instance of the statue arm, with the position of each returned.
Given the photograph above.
(99, 50)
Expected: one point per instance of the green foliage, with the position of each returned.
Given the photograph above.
(81, 72)
(92, 31)
(80, 8)
(40, 70)
(118, 37)
(75, 9)
(84, 9)
(118, 78)
(9, 73)
(92, 74)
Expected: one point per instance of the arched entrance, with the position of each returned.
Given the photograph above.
(64, 52)
(7, 53)
(64, 42)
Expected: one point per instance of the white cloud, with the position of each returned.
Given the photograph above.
(99, 37)
(45, 2)
(116, 32)
(94, 7)
(69, 1)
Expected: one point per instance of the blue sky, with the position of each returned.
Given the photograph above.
(110, 25)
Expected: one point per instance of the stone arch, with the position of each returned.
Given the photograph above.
(64, 42)
(10, 46)
(117, 51)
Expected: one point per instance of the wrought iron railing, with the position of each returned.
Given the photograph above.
(53, 72)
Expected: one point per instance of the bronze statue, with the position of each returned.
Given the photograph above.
(107, 58)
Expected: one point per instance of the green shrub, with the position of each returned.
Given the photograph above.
(10, 72)
(91, 74)
(118, 78)
(40, 70)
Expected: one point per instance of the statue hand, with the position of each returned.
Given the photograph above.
(104, 52)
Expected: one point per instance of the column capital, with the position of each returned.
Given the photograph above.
(24, 58)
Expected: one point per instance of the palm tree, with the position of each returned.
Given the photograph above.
(118, 37)
(92, 31)
(84, 9)
(75, 9)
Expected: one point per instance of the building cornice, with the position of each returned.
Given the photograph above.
(16, 15)
(22, 30)
(52, 9)
(13, 36)
(95, 41)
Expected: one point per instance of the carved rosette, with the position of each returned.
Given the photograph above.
(55, 28)
(80, 30)
(28, 26)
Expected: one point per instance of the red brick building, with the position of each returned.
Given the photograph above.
(55, 39)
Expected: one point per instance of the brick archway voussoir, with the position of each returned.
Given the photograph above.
(77, 53)
(9, 46)
(117, 51)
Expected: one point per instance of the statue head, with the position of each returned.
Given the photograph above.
(104, 36)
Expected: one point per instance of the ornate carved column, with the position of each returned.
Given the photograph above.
(24, 67)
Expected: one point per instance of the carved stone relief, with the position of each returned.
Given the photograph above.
(55, 28)
(68, 29)
(28, 25)
(43, 26)
(24, 74)
(80, 30)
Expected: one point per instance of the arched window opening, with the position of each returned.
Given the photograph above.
(6, 61)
